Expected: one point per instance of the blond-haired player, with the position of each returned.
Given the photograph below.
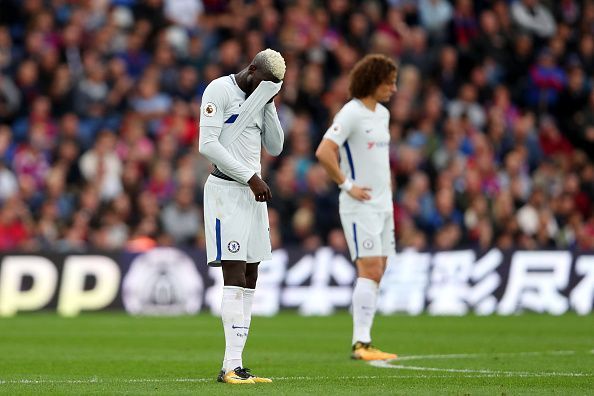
(237, 117)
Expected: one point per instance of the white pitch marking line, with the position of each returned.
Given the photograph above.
(205, 380)
(386, 364)
(98, 381)
(466, 373)
(163, 380)
(475, 355)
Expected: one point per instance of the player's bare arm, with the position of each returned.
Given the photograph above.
(327, 155)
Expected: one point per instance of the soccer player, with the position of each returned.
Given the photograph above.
(237, 117)
(354, 152)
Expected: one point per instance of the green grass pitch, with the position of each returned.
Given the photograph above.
(111, 353)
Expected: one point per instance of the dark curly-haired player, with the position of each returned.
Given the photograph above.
(361, 136)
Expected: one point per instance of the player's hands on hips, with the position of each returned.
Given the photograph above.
(360, 193)
(260, 189)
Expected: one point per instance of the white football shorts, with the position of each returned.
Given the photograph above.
(369, 234)
(236, 224)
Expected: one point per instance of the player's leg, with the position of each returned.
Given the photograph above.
(370, 271)
(251, 277)
(364, 237)
(224, 219)
(369, 275)
(258, 249)
(232, 315)
(365, 292)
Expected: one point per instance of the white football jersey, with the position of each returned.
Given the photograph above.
(363, 137)
(220, 108)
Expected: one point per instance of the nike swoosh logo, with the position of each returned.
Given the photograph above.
(238, 327)
(368, 130)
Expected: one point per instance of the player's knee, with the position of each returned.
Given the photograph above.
(234, 273)
(371, 270)
(373, 275)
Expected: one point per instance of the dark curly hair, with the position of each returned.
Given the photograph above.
(369, 73)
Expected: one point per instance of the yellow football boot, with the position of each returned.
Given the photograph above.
(235, 377)
(255, 378)
(365, 351)
(261, 380)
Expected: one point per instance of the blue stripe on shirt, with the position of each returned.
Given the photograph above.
(350, 159)
(232, 119)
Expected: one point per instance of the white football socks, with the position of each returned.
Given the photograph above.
(248, 299)
(364, 305)
(234, 325)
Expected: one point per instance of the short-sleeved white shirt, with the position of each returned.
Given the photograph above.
(363, 137)
(220, 106)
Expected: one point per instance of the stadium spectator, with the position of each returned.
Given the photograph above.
(31, 159)
(181, 218)
(9, 98)
(464, 25)
(15, 226)
(8, 182)
(7, 52)
(435, 16)
(547, 80)
(184, 12)
(101, 166)
(150, 103)
(533, 17)
(465, 106)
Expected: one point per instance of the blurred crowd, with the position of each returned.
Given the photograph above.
(492, 127)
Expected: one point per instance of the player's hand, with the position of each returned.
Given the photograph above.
(360, 193)
(260, 189)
